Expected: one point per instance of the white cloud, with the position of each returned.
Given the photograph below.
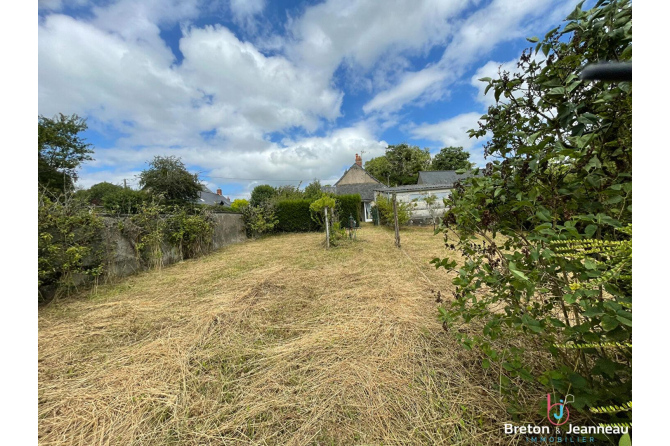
(474, 37)
(450, 132)
(243, 9)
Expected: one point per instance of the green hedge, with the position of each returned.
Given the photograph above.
(294, 216)
(348, 205)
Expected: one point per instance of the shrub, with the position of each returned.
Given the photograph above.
(348, 205)
(385, 209)
(559, 192)
(68, 233)
(259, 220)
(192, 233)
(98, 192)
(125, 201)
(238, 204)
(294, 216)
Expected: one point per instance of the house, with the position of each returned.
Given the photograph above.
(208, 197)
(438, 183)
(357, 180)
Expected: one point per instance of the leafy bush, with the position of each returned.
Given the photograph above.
(125, 201)
(192, 233)
(155, 227)
(98, 192)
(259, 220)
(385, 209)
(294, 216)
(68, 233)
(348, 205)
(238, 204)
(560, 194)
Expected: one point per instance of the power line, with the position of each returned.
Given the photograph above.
(248, 179)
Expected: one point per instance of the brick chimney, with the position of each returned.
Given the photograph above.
(359, 160)
(218, 192)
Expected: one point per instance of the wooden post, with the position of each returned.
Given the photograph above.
(395, 222)
(325, 212)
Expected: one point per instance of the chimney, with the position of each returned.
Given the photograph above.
(218, 192)
(359, 160)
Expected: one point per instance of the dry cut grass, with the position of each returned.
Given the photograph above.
(274, 341)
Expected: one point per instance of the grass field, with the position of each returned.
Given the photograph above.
(273, 341)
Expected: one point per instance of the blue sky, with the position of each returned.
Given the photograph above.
(254, 92)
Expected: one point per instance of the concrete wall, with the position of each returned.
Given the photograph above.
(228, 229)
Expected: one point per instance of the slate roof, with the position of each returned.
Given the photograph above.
(448, 177)
(413, 187)
(208, 197)
(365, 190)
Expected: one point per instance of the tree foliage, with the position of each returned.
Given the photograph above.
(97, 193)
(238, 204)
(313, 190)
(400, 164)
(262, 194)
(168, 178)
(559, 192)
(61, 150)
(451, 158)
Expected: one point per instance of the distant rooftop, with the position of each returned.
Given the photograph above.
(444, 177)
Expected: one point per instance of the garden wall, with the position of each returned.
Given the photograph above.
(228, 229)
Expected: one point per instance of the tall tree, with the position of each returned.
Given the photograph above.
(262, 193)
(313, 190)
(61, 150)
(379, 168)
(451, 158)
(400, 164)
(168, 177)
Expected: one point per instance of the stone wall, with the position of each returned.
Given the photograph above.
(228, 229)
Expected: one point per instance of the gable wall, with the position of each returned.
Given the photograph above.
(356, 176)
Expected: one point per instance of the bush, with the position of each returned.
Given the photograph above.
(385, 209)
(259, 220)
(68, 232)
(192, 233)
(348, 205)
(238, 204)
(125, 201)
(294, 216)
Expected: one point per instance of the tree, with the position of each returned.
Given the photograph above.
(262, 194)
(451, 158)
(60, 151)
(405, 163)
(313, 190)
(98, 192)
(167, 177)
(379, 168)
(559, 191)
(238, 204)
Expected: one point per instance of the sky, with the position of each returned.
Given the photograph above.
(250, 92)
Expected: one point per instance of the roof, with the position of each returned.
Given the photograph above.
(365, 190)
(356, 166)
(207, 197)
(441, 177)
(414, 187)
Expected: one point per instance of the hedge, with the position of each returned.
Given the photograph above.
(349, 205)
(294, 216)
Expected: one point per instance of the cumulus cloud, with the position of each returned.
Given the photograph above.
(450, 132)
(474, 36)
